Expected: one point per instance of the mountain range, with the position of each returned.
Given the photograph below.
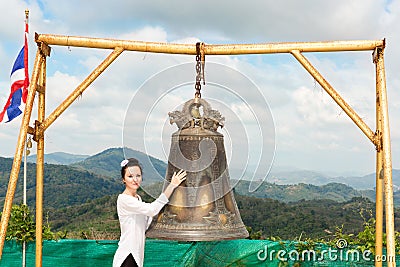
(107, 163)
(99, 175)
(61, 158)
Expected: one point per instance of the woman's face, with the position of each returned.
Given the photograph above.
(133, 177)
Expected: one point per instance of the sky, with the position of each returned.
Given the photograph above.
(276, 115)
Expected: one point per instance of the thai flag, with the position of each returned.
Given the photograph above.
(19, 84)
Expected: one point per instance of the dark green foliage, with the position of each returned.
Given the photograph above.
(22, 226)
(95, 219)
(256, 235)
(295, 192)
(310, 218)
(265, 218)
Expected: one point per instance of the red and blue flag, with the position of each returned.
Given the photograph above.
(19, 85)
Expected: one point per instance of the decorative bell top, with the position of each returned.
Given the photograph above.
(197, 113)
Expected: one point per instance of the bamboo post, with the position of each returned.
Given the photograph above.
(379, 202)
(379, 194)
(335, 95)
(40, 163)
(379, 178)
(18, 153)
(386, 157)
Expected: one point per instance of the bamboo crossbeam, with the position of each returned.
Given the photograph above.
(223, 49)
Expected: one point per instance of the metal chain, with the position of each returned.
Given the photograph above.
(197, 86)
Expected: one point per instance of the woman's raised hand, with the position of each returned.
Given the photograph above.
(178, 178)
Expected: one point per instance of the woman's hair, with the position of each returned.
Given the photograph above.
(131, 162)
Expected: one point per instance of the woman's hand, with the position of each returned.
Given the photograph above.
(178, 178)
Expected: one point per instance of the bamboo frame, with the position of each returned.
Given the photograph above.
(386, 155)
(40, 163)
(12, 184)
(228, 49)
(380, 138)
(379, 177)
(379, 194)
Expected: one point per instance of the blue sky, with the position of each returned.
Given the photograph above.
(310, 130)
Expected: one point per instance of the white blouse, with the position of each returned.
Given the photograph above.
(135, 217)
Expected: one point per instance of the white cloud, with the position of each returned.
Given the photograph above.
(146, 34)
(315, 108)
(307, 121)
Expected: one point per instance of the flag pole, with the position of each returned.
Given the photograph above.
(12, 184)
(27, 144)
(24, 202)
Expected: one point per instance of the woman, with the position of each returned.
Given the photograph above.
(135, 216)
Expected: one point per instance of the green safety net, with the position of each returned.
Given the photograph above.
(243, 252)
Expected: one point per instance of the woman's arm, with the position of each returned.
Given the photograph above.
(130, 205)
(127, 205)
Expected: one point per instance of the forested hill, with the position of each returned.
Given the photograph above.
(98, 176)
(66, 185)
(307, 218)
(81, 198)
(108, 162)
(295, 192)
(63, 185)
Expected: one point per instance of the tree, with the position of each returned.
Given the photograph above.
(22, 227)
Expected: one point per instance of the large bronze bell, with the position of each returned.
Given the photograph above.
(203, 207)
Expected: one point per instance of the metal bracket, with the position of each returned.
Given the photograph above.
(36, 131)
(40, 88)
(378, 141)
(378, 51)
(44, 49)
(31, 130)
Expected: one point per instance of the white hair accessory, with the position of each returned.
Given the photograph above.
(124, 162)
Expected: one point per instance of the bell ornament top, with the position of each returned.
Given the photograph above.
(197, 112)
